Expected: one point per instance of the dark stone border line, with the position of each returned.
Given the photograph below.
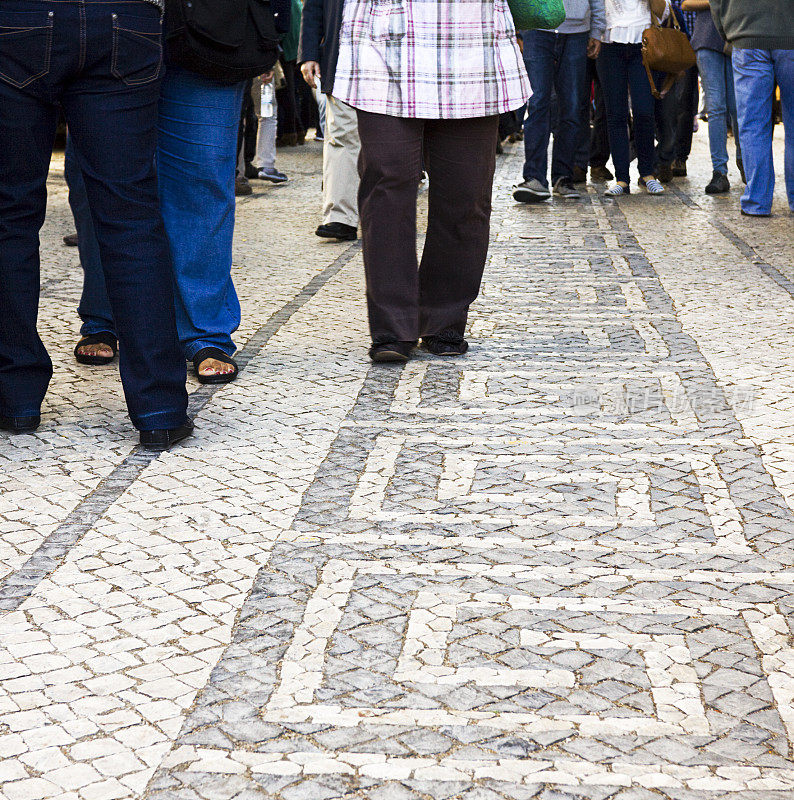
(16, 587)
(747, 250)
(744, 469)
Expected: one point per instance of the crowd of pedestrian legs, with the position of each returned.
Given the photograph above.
(156, 154)
(596, 55)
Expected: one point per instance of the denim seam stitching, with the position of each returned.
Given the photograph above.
(83, 35)
(114, 65)
(47, 59)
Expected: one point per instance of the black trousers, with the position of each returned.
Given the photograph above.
(407, 299)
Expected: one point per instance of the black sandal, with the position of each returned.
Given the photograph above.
(218, 355)
(105, 338)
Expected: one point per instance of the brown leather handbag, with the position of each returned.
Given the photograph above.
(666, 49)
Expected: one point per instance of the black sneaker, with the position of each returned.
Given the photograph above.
(719, 184)
(166, 439)
(338, 231)
(391, 352)
(564, 187)
(446, 343)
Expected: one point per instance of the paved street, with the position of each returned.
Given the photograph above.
(561, 567)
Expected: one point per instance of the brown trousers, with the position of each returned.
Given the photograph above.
(407, 300)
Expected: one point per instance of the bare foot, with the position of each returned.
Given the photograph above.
(99, 349)
(211, 366)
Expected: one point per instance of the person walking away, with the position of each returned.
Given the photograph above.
(246, 143)
(419, 87)
(716, 73)
(196, 158)
(689, 97)
(556, 61)
(762, 37)
(318, 53)
(101, 63)
(290, 126)
(621, 71)
(266, 107)
(593, 141)
(675, 116)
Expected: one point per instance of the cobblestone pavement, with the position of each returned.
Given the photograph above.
(560, 567)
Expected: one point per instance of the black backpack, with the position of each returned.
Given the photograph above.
(228, 40)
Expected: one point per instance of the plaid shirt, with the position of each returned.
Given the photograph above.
(689, 16)
(430, 59)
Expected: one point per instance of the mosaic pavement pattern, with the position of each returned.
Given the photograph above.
(561, 567)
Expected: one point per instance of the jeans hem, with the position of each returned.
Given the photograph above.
(160, 421)
(17, 413)
(190, 351)
(91, 329)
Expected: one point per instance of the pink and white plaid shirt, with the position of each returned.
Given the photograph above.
(430, 59)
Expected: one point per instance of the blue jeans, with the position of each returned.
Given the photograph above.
(196, 161)
(94, 308)
(101, 63)
(556, 62)
(621, 71)
(755, 73)
(716, 74)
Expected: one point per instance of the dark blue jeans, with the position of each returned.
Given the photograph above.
(100, 62)
(197, 155)
(94, 308)
(675, 116)
(556, 62)
(621, 72)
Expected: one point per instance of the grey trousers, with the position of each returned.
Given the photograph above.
(340, 163)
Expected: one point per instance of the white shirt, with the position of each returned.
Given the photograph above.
(627, 19)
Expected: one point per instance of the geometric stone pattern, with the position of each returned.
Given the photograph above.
(560, 567)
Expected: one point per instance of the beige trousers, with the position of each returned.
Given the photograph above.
(340, 163)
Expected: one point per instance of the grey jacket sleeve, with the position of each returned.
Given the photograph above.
(717, 9)
(598, 19)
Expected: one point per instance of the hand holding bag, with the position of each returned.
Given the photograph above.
(666, 49)
(537, 14)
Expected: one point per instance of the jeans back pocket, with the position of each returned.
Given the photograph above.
(137, 49)
(25, 46)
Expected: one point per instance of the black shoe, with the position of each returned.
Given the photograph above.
(679, 168)
(719, 184)
(664, 173)
(70, 240)
(338, 231)
(740, 167)
(165, 439)
(446, 343)
(579, 175)
(600, 174)
(391, 352)
(20, 424)
(241, 187)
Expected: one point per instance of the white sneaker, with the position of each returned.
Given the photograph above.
(530, 192)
